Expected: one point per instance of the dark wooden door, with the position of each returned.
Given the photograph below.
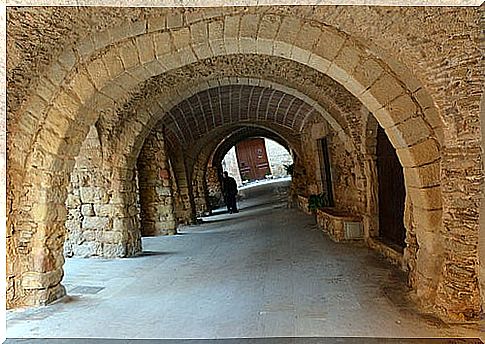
(252, 159)
(391, 192)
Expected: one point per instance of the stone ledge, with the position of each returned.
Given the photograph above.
(393, 256)
(332, 222)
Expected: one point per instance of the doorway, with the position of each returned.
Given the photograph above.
(252, 159)
(391, 193)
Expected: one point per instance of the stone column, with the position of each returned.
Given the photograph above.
(184, 202)
(155, 185)
(102, 217)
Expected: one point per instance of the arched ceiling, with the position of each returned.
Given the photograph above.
(197, 115)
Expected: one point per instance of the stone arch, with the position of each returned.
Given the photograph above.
(138, 55)
(210, 157)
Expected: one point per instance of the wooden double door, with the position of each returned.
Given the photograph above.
(252, 159)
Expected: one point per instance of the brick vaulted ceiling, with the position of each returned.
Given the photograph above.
(204, 111)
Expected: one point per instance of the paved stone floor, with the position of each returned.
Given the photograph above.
(264, 272)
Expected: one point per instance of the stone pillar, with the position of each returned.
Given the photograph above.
(298, 183)
(278, 157)
(200, 193)
(214, 189)
(458, 294)
(155, 185)
(184, 202)
(102, 217)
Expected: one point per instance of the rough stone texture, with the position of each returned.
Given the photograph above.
(94, 213)
(125, 69)
(155, 187)
(278, 157)
(230, 164)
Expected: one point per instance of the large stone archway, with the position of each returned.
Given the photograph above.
(104, 69)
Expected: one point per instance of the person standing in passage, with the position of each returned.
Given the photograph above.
(229, 190)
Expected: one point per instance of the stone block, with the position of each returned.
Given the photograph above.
(386, 89)
(174, 20)
(429, 198)
(98, 72)
(181, 38)
(318, 63)
(129, 54)
(122, 224)
(85, 47)
(408, 133)
(45, 89)
(268, 28)
(156, 23)
(247, 45)
(433, 117)
(428, 220)
(87, 210)
(92, 194)
(96, 223)
(113, 63)
(199, 33)
(300, 55)
(146, 48)
(67, 59)
(367, 72)
(73, 201)
(282, 49)
(399, 110)
(164, 191)
(328, 45)
(216, 30)
(88, 235)
(420, 154)
(289, 29)
(231, 26)
(424, 176)
(308, 36)
(103, 210)
(113, 237)
(264, 46)
(82, 87)
(114, 250)
(73, 225)
(248, 27)
(87, 249)
(41, 280)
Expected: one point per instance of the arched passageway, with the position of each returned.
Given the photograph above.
(113, 123)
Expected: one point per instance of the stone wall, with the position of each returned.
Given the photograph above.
(123, 69)
(155, 187)
(347, 178)
(278, 157)
(95, 225)
(230, 165)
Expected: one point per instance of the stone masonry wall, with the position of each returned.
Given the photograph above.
(91, 225)
(278, 157)
(155, 187)
(63, 64)
(230, 165)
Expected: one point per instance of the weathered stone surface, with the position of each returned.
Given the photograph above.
(426, 92)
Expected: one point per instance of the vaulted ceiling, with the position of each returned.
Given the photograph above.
(197, 115)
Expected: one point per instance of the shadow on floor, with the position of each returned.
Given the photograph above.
(153, 253)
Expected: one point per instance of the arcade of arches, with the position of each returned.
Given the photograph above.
(118, 120)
